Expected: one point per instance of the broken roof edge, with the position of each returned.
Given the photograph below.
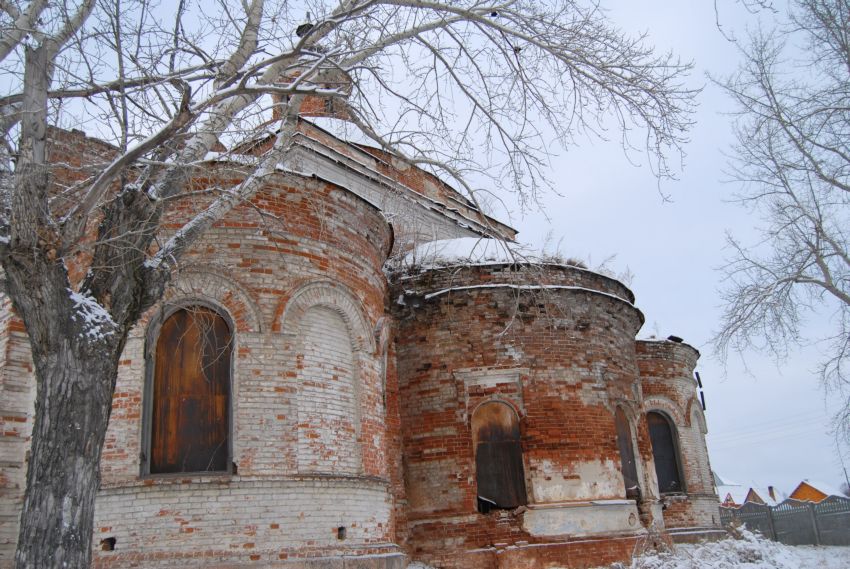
(468, 218)
(405, 191)
(670, 343)
(464, 208)
(411, 274)
(468, 252)
(503, 229)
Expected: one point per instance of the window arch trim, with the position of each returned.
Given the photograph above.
(334, 296)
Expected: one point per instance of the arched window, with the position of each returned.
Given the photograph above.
(498, 457)
(190, 394)
(665, 451)
(627, 454)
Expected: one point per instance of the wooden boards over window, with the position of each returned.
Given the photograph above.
(665, 451)
(627, 454)
(498, 457)
(190, 414)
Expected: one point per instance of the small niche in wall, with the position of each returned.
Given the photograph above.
(340, 532)
(108, 544)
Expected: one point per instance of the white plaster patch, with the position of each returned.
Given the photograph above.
(596, 479)
(580, 519)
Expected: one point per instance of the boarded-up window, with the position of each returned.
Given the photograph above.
(627, 454)
(498, 457)
(665, 452)
(190, 422)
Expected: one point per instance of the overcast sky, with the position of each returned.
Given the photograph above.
(767, 423)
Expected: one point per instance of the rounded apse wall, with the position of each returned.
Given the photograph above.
(670, 391)
(556, 344)
(297, 274)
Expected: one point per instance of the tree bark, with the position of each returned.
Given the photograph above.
(63, 472)
(75, 348)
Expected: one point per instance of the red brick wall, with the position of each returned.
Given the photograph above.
(300, 475)
(298, 244)
(666, 370)
(417, 362)
(561, 356)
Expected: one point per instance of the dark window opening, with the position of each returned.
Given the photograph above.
(108, 544)
(627, 455)
(665, 452)
(190, 412)
(499, 472)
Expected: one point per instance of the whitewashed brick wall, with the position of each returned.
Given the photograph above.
(232, 518)
(17, 395)
(328, 416)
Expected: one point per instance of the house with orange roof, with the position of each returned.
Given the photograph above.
(814, 491)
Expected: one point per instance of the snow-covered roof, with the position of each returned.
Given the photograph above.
(827, 489)
(738, 492)
(467, 251)
(342, 129)
(720, 481)
(764, 494)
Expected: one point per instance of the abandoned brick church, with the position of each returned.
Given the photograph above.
(296, 401)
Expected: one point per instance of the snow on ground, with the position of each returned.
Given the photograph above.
(811, 557)
(749, 552)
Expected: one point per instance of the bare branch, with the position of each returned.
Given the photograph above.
(24, 24)
(792, 159)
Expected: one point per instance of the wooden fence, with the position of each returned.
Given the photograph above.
(796, 523)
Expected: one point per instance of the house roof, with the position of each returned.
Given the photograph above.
(732, 492)
(738, 493)
(821, 486)
(764, 494)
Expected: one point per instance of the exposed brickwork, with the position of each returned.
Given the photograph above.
(351, 397)
(303, 288)
(16, 412)
(563, 357)
(230, 519)
(667, 370)
(308, 392)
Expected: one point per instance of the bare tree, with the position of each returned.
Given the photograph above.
(793, 159)
(435, 82)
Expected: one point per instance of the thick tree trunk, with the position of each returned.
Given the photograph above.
(63, 473)
(75, 347)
